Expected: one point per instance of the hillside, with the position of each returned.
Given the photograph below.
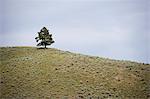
(31, 73)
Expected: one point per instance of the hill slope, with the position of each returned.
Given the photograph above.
(31, 73)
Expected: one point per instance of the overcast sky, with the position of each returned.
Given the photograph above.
(117, 29)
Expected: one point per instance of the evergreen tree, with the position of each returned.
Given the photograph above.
(44, 37)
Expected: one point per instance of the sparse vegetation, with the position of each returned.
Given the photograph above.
(31, 73)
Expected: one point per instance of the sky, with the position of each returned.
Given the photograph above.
(116, 29)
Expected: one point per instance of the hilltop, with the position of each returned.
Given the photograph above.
(31, 73)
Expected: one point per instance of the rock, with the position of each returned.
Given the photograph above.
(81, 96)
(56, 68)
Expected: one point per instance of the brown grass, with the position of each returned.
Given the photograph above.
(31, 73)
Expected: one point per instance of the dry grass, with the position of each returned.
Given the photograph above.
(31, 73)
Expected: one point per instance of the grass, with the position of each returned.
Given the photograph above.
(31, 73)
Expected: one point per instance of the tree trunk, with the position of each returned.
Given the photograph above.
(45, 46)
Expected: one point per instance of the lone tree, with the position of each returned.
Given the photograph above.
(44, 37)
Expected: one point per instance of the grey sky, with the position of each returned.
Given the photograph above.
(116, 29)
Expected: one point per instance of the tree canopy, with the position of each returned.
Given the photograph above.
(44, 38)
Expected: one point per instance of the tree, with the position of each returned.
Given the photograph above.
(44, 37)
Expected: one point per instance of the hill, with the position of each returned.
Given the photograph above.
(31, 73)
